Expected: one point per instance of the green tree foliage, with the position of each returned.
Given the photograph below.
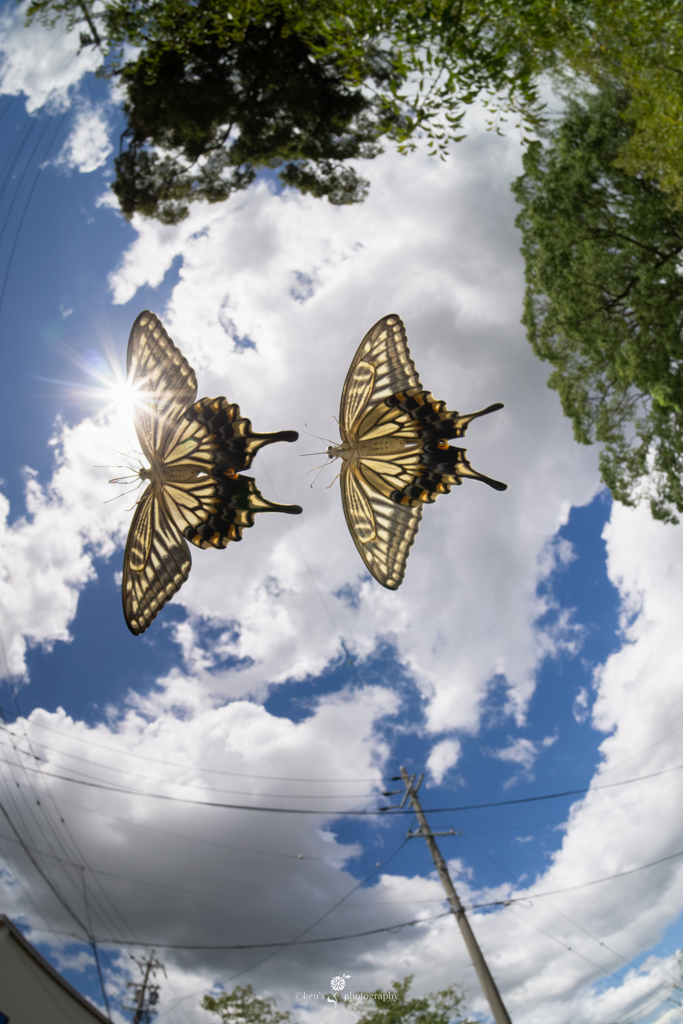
(243, 1006)
(444, 1007)
(201, 121)
(639, 44)
(221, 88)
(604, 299)
(386, 69)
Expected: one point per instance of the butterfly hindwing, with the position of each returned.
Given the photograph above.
(237, 444)
(395, 450)
(238, 499)
(195, 491)
(432, 415)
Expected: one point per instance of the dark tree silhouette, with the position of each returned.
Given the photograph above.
(202, 121)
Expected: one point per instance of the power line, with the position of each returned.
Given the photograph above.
(360, 812)
(282, 944)
(583, 885)
(297, 939)
(232, 898)
(43, 874)
(564, 946)
(386, 928)
(51, 829)
(25, 211)
(59, 834)
(560, 913)
(102, 913)
(109, 787)
(177, 764)
(195, 838)
(192, 785)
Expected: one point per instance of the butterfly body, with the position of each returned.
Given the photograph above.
(195, 490)
(395, 452)
(353, 450)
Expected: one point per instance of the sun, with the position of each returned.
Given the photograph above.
(113, 399)
(122, 395)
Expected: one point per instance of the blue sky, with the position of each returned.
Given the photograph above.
(533, 648)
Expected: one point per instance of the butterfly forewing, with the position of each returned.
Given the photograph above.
(164, 381)
(381, 367)
(382, 531)
(148, 585)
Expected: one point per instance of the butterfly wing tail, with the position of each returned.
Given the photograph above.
(434, 419)
(254, 442)
(442, 467)
(461, 423)
(239, 501)
(454, 466)
(236, 442)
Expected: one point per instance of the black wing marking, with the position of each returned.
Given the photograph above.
(236, 442)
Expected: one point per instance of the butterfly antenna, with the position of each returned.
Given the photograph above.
(130, 454)
(319, 438)
(131, 472)
(127, 479)
(122, 494)
(319, 469)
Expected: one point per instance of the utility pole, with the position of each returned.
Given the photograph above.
(146, 995)
(500, 1014)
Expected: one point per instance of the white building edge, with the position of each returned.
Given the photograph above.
(32, 991)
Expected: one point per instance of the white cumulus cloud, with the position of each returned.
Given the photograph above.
(88, 144)
(42, 64)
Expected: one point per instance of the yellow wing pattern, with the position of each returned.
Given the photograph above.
(395, 450)
(195, 491)
(381, 367)
(382, 531)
